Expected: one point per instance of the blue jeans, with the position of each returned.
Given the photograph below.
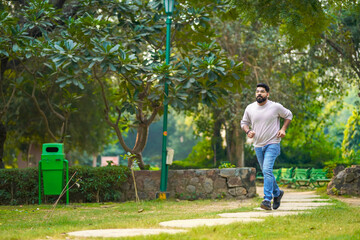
(266, 157)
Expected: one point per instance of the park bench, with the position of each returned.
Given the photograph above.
(318, 177)
(302, 177)
(276, 172)
(287, 176)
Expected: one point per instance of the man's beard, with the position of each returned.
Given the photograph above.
(261, 99)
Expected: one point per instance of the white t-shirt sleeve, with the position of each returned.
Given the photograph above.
(284, 112)
(246, 118)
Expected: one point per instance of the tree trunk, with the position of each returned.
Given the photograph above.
(138, 157)
(2, 142)
(140, 144)
(236, 144)
(94, 163)
(217, 142)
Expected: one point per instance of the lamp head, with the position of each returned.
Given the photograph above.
(169, 7)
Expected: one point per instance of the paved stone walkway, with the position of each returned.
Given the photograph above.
(123, 232)
(292, 203)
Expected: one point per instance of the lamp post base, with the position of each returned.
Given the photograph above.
(162, 195)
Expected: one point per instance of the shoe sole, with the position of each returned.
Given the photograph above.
(281, 195)
(265, 207)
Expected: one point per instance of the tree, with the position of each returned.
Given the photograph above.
(351, 142)
(343, 40)
(299, 79)
(124, 56)
(331, 25)
(19, 31)
(301, 21)
(28, 29)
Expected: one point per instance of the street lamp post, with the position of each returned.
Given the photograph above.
(169, 8)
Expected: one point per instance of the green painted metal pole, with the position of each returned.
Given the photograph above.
(164, 167)
(67, 182)
(40, 182)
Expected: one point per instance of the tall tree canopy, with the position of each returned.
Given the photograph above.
(119, 47)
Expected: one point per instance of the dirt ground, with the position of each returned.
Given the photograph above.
(352, 201)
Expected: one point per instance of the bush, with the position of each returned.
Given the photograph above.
(226, 165)
(200, 157)
(20, 186)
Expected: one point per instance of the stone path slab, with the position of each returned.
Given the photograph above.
(305, 204)
(304, 200)
(299, 196)
(257, 214)
(288, 209)
(124, 232)
(190, 223)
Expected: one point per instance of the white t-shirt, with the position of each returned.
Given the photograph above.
(265, 121)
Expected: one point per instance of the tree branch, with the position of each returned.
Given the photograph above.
(153, 115)
(61, 117)
(43, 115)
(334, 46)
(4, 61)
(107, 117)
(6, 106)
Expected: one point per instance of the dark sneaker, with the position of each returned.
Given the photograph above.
(266, 205)
(276, 202)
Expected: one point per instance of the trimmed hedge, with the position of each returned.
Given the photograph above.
(101, 184)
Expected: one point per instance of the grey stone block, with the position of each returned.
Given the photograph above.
(190, 189)
(234, 182)
(208, 185)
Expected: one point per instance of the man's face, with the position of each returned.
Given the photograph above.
(261, 95)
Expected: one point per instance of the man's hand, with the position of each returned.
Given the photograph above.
(281, 133)
(251, 134)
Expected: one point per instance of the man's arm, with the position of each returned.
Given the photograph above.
(246, 128)
(249, 133)
(282, 131)
(245, 122)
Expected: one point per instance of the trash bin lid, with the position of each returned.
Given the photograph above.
(53, 148)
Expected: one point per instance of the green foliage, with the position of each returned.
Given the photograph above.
(20, 186)
(181, 138)
(301, 21)
(226, 165)
(98, 184)
(351, 143)
(200, 157)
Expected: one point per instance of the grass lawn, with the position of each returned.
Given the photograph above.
(35, 222)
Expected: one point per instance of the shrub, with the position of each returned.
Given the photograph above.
(20, 186)
(200, 157)
(226, 165)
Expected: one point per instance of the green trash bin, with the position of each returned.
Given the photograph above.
(52, 167)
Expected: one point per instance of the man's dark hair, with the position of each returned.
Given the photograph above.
(264, 86)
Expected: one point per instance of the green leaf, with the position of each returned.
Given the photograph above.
(4, 52)
(122, 54)
(235, 76)
(212, 76)
(114, 48)
(112, 67)
(15, 48)
(91, 64)
(59, 48)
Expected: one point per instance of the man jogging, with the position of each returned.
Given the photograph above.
(263, 116)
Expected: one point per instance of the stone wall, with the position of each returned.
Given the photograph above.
(236, 183)
(346, 182)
